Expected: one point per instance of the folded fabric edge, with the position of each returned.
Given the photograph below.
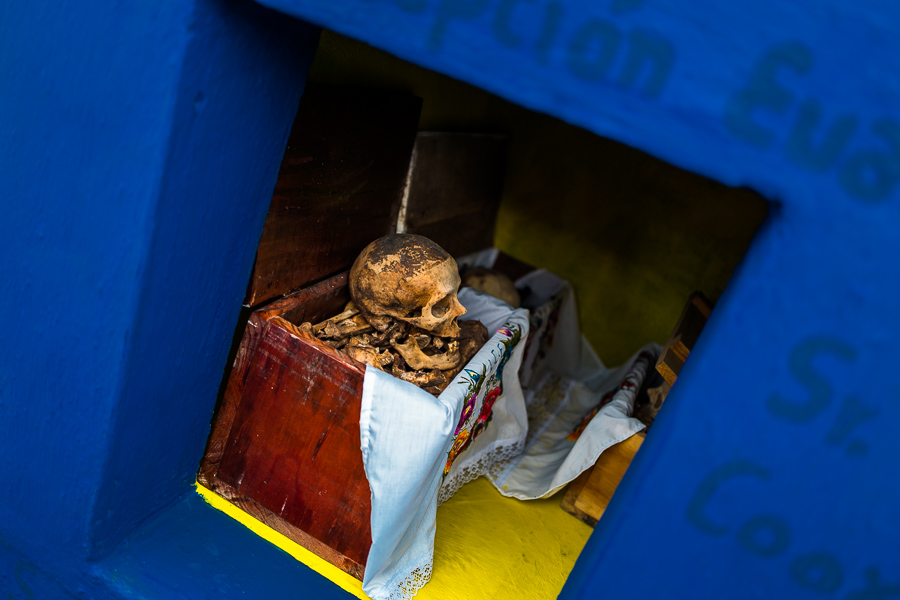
(406, 583)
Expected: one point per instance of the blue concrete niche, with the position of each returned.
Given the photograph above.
(127, 135)
(606, 216)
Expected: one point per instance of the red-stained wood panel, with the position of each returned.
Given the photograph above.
(294, 447)
(285, 443)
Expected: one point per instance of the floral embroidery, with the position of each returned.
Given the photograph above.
(629, 383)
(486, 386)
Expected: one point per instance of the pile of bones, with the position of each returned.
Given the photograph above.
(402, 318)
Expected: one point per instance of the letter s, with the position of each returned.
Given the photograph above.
(801, 367)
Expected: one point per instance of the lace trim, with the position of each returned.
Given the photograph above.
(409, 584)
(486, 461)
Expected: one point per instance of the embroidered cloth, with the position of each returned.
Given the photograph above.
(418, 449)
(577, 408)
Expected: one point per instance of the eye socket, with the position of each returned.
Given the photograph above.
(441, 307)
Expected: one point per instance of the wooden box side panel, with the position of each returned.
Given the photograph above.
(294, 447)
(683, 337)
(314, 303)
(340, 185)
(215, 446)
(590, 493)
(455, 186)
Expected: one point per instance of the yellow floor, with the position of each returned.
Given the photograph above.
(487, 546)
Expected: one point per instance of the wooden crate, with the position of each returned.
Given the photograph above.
(683, 337)
(285, 442)
(340, 186)
(589, 494)
(285, 445)
(454, 188)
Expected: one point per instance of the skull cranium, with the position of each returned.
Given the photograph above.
(410, 278)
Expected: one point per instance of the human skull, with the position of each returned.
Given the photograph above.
(410, 278)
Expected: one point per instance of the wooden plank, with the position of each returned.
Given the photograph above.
(462, 234)
(455, 186)
(339, 188)
(294, 447)
(285, 444)
(669, 365)
(589, 494)
(314, 303)
(684, 336)
(511, 267)
(215, 445)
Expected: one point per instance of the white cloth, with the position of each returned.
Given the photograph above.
(577, 408)
(418, 449)
(570, 425)
(556, 343)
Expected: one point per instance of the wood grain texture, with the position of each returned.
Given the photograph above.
(314, 303)
(339, 188)
(589, 494)
(285, 444)
(455, 185)
(462, 234)
(224, 418)
(294, 447)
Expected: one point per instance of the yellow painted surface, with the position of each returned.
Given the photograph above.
(326, 569)
(486, 546)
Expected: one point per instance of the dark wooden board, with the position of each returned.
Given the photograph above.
(511, 267)
(313, 304)
(224, 417)
(685, 334)
(455, 186)
(339, 188)
(462, 234)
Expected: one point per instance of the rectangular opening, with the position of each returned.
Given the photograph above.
(633, 235)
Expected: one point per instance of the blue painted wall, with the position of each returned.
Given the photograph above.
(139, 147)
